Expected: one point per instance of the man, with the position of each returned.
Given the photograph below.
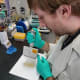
(62, 17)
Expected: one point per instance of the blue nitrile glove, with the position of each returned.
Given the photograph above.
(11, 50)
(43, 67)
(38, 42)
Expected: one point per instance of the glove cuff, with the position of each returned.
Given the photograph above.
(41, 44)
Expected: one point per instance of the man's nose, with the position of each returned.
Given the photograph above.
(42, 24)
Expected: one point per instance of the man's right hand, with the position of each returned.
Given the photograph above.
(38, 42)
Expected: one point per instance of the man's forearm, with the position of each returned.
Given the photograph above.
(50, 78)
(46, 47)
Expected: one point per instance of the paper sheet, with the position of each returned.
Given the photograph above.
(22, 70)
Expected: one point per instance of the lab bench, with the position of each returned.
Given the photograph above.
(7, 61)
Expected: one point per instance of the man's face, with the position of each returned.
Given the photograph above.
(53, 21)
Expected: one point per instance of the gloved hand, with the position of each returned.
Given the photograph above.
(11, 50)
(43, 67)
(38, 42)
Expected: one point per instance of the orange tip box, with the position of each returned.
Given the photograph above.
(19, 36)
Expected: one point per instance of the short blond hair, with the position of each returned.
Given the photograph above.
(52, 5)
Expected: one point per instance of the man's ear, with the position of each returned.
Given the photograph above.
(64, 11)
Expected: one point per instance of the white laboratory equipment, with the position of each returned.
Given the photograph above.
(5, 41)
